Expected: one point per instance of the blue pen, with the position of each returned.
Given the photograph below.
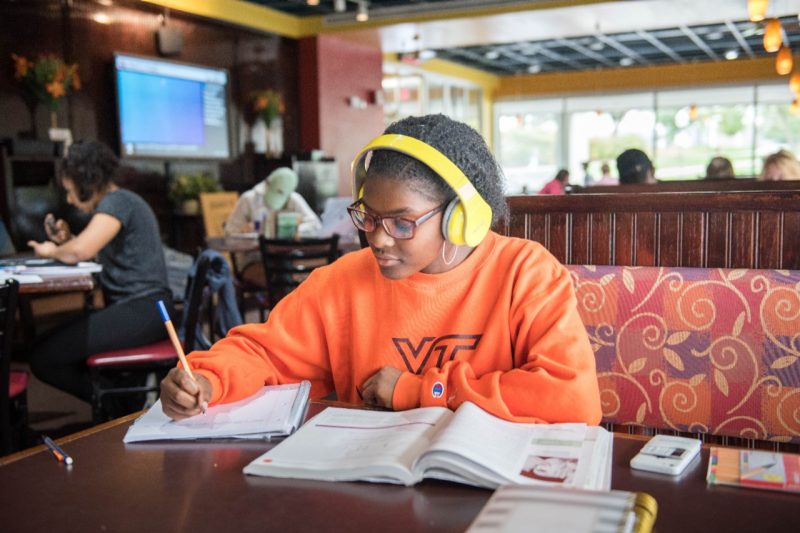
(56, 450)
(176, 343)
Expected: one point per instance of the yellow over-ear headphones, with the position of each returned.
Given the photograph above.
(467, 219)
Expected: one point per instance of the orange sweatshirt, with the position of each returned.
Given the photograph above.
(501, 330)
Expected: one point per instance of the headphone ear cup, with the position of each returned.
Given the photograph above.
(453, 222)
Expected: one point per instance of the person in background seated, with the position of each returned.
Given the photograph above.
(439, 310)
(257, 211)
(633, 166)
(123, 236)
(588, 179)
(782, 165)
(557, 184)
(719, 168)
(606, 178)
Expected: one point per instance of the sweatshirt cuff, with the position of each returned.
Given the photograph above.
(216, 384)
(406, 392)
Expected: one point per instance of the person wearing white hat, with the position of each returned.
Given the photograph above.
(257, 211)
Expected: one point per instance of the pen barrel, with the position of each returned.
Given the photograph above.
(176, 343)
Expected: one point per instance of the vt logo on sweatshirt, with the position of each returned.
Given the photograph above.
(445, 348)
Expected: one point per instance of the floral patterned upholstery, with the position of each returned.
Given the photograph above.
(696, 350)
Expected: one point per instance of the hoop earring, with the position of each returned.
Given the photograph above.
(452, 258)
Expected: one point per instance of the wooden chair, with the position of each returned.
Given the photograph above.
(13, 384)
(288, 262)
(158, 357)
(216, 207)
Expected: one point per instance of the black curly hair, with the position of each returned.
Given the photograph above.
(460, 144)
(91, 166)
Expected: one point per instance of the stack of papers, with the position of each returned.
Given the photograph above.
(274, 411)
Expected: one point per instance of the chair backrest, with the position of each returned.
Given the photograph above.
(196, 292)
(8, 311)
(216, 207)
(288, 262)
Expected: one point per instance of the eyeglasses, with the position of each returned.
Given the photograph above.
(397, 227)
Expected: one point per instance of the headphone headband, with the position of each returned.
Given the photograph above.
(477, 217)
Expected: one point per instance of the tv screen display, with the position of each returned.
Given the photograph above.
(170, 110)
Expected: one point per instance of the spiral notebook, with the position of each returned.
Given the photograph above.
(274, 411)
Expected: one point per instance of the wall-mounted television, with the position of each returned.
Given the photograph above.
(171, 110)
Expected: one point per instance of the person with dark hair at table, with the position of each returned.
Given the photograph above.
(557, 185)
(633, 166)
(124, 237)
(719, 168)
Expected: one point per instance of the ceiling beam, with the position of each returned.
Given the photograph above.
(638, 78)
(585, 51)
(652, 39)
(739, 38)
(613, 43)
(698, 42)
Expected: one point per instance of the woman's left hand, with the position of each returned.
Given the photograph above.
(43, 249)
(379, 388)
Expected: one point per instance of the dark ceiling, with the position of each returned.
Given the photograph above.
(684, 44)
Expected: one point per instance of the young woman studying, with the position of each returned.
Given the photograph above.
(124, 237)
(438, 310)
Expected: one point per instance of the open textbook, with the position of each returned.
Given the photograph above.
(466, 446)
(275, 410)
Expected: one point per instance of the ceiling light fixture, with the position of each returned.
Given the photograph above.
(794, 83)
(773, 36)
(534, 68)
(626, 61)
(312, 2)
(757, 9)
(340, 6)
(492, 55)
(730, 55)
(784, 61)
(362, 15)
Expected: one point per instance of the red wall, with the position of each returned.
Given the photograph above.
(336, 70)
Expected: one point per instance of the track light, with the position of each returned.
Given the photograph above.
(757, 9)
(362, 15)
(773, 36)
(784, 61)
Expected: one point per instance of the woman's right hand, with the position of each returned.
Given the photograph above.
(57, 230)
(182, 397)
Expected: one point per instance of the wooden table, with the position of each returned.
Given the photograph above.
(199, 487)
(56, 284)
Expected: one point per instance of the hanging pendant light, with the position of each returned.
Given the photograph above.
(794, 82)
(784, 61)
(794, 108)
(773, 36)
(693, 112)
(757, 9)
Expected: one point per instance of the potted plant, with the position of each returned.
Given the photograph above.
(46, 80)
(185, 189)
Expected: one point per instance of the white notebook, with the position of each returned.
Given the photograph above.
(274, 411)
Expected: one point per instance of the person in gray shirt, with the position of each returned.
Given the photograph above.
(123, 236)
